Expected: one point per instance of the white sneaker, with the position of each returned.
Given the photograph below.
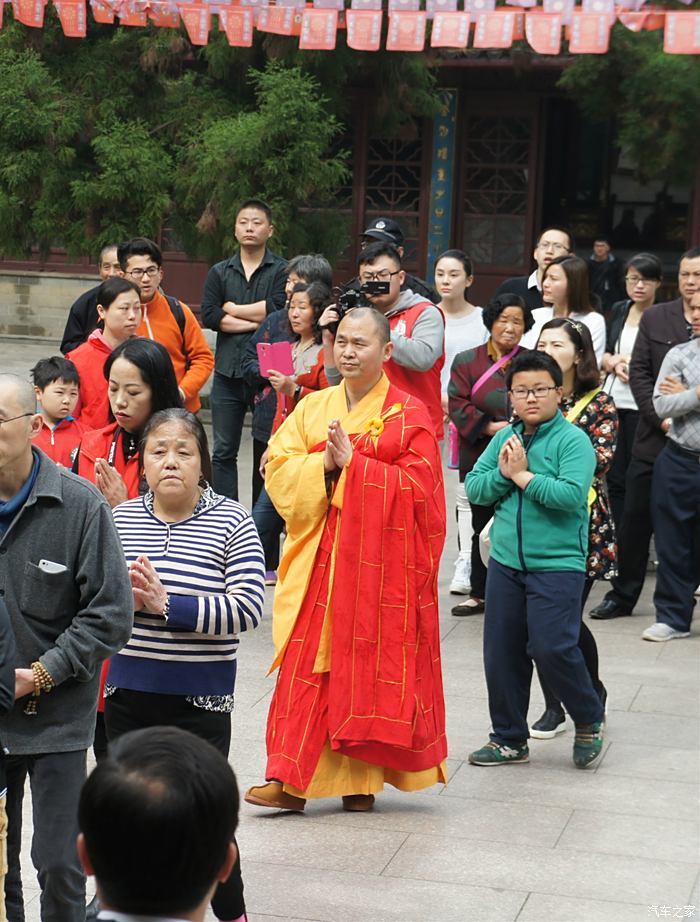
(661, 632)
(460, 581)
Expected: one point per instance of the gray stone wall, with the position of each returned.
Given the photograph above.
(36, 304)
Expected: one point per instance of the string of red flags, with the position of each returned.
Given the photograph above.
(397, 25)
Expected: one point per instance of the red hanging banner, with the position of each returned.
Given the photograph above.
(276, 19)
(237, 23)
(73, 16)
(318, 30)
(164, 18)
(682, 33)
(589, 33)
(494, 30)
(2, 7)
(406, 32)
(364, 29)
(29, 12)
(543, 32)
(129, 17)
(197, 21)
(450, 30)
(102, 12)
(649, 21)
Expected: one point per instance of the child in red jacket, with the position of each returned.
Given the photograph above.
(57, 385)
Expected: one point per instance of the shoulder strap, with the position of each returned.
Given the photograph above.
(179, 315)
(493, 369)
(581, 405)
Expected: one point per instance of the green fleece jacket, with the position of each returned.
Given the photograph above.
(544, 526)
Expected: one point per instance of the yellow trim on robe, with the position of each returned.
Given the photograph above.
(338, 775)
(295, 482)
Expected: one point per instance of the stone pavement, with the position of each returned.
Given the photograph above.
(541, 842)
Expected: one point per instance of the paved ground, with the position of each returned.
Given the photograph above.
(616, 843)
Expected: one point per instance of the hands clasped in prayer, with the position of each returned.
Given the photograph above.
(338, 447)
(512, 462)
(149, 592)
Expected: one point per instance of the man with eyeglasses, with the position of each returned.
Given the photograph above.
(386, 230)
(167, 320)
(552, 242)
(67, 590)
(661, 327)
(417, 329)
(537, 472)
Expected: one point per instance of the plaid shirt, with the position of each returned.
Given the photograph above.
(682, 362)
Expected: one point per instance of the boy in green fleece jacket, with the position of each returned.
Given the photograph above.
(538, 472)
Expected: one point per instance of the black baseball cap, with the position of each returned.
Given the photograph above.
(385, 229)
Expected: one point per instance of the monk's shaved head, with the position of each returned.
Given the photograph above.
(20, 390)
(381, 324)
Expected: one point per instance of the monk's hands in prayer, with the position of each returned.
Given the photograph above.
(338, 447)
(110, 483)
(148, 591)
(671, 385)
(283, 384)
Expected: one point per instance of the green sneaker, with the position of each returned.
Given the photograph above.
(588, 743)
(498, 754)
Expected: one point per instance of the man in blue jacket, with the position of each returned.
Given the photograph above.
(538, 472)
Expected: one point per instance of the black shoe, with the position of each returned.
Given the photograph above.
(553, 721)
(603, 695)
(92, 909)
(607, 610)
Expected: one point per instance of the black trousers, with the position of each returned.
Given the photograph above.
(633, 536)
(617, 475)
(131, 710)
(56, 779)
(480, 518)
(676, 513)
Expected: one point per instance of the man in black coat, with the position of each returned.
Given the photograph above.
(82, 317)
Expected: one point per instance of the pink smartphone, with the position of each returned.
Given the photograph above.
(275, 357)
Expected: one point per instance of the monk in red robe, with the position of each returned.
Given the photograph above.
(356, 473)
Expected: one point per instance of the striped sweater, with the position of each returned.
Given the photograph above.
(212, 566)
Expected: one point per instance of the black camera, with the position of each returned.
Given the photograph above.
(349, 298)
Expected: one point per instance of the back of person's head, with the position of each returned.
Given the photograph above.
(139, 246)
(534, 361)
(647, 265)
(110, 289)
(156, 367)
(258, 205)
(311, 267)
(157, 817)
(55, 368)
(578, 291)
(374, 251)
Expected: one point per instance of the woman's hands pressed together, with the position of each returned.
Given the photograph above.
(149, 593)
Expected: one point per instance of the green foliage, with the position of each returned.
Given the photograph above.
(278, 151)
(134, 129)
(654, 97)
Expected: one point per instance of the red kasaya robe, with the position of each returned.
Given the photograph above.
(355, 619)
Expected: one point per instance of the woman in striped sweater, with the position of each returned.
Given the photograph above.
(197, 573)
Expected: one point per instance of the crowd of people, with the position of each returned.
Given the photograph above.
(129, 570)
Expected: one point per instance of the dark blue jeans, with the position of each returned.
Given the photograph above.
(229, 401)
(534, 616)
(56, 779)
(675, 506)
(269, 524)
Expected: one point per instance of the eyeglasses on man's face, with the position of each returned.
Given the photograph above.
(539, 392)
(383, 275)
(150, 271)
(13, 418)
(553, 246)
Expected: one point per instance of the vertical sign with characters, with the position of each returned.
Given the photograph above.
(441, 180)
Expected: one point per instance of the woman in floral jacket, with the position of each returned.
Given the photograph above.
(587, 406)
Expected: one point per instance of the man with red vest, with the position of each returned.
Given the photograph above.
(417, 329)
